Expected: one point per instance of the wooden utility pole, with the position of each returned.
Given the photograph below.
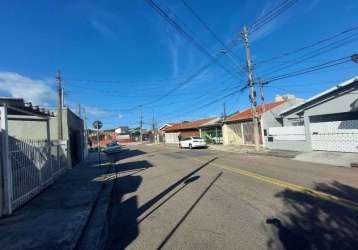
(153, 128)
(245, 36)
(59, 105)
(79, 110)
(141, 125)
(261, 84)
(224, 114)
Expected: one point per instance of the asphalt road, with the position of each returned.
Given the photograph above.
(166, 198)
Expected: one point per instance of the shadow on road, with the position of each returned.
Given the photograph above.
(313, 223)
(124, 214)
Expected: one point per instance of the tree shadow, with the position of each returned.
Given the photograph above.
(123, 216)
(314, 223)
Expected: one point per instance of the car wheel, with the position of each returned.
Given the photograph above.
(190, 146)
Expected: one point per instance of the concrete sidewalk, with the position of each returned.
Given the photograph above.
(323, 157)
(56, 218)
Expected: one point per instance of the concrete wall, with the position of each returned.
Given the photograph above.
(347, 101)
(33, 130)
(271, 119)
(37, 130)
(287, 138)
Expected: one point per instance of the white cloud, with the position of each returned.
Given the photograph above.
(98, 112)
(38, 92)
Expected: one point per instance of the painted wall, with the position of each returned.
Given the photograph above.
(37, 130)
(32, 130)
(287, 138)
(336, 104)
(271, 118)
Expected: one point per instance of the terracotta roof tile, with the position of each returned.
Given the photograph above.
(247, 113)
(186, 125)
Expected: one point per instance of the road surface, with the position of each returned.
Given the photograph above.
(167, 198)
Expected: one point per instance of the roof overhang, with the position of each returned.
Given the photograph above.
(323, 95)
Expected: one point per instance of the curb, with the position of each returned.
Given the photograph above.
(94, 229)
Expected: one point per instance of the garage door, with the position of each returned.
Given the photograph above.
(341, 136)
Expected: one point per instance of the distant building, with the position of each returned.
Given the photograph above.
(172, 132)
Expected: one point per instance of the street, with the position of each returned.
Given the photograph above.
(167, 198)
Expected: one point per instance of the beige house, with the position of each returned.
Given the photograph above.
(239, 129)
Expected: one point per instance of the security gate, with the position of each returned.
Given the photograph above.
(34, 165)
(341, 136)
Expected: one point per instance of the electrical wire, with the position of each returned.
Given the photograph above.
(295, 51)
(325, 65)
(272, 14)
(320, 51)
(228, 50)
(178, 28)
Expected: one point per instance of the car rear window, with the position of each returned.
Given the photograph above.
(197, 138)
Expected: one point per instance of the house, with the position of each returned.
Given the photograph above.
(327, 121)
(123, 134)
(211, 131)
(172, 132)
(238, 128)
(73, 132)
(30, 159)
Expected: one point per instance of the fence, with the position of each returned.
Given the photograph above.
(34, 164)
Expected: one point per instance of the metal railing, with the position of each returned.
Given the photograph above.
(34, 165)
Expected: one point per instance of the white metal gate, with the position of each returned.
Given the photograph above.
(34, 165)
(341, 136)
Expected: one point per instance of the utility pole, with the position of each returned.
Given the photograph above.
(79, 110)
(141, 125)
(153, 128)
(224, 114)
(86, 128)
(59, 104)
(261, 84)
(245, 36)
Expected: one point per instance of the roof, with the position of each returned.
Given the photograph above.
(185, 125)
(17, 106)
(212, 123)
(326, 93)
(247, 113)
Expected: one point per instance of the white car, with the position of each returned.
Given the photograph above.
(192, 142)
(112, 148)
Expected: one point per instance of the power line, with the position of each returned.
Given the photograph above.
(272, 14)
(325, 65)
(205, 105)
(181, 31)
(295, 51)
(231, 54)
(322, 50)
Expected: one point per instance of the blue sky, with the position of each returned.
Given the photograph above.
(117, 55)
